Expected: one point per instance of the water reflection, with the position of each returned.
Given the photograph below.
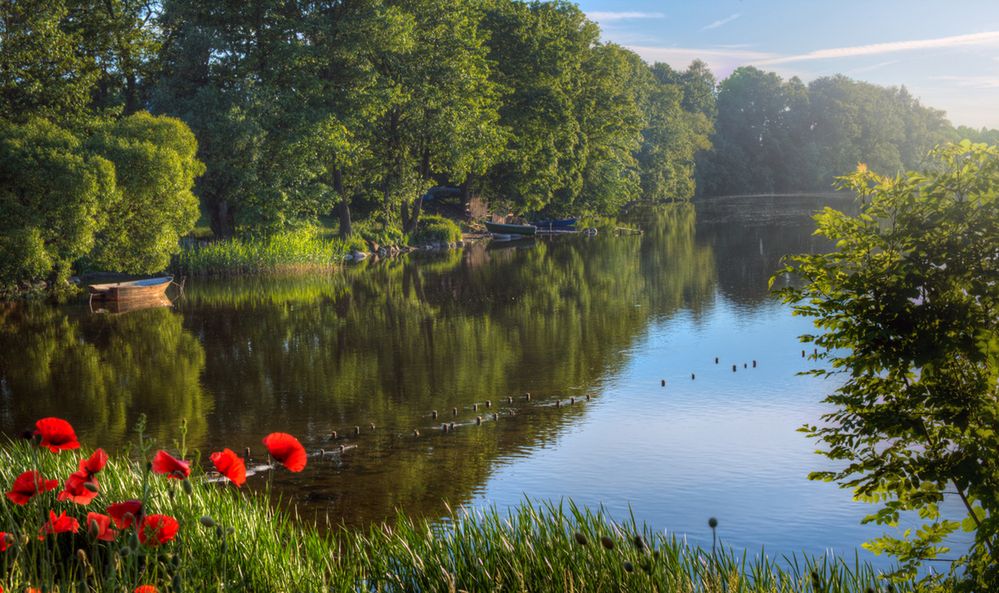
(383, 344)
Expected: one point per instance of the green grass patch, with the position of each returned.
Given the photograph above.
(302, 248)
(435, 229)
(236, 540)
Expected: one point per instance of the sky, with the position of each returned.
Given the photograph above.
(945, 53)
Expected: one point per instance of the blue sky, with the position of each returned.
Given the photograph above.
(945, 53)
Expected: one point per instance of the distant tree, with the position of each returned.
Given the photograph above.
(153, 207)
(52, 196)
(906, 311)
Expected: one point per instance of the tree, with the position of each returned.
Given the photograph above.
(51, 197)
(906, 308)
(153, 207)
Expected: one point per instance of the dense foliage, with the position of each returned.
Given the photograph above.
(906, 305)
(776, 136)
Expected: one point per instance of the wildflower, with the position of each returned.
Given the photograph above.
(100, 527)
(164, 463)
(6, 541)
(58, 524)
(230, 465)
(28, 484)
(56, 434)
(124, 513)
(157, 529)
(76, 488)
(95, 463)
(144, 589)
(287, 450)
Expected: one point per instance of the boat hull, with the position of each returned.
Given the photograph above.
(511, 229)
(150, 288)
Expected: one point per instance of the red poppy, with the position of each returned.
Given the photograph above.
(230, 465)
(58, 524)
(164, 463)
(157, 529)
(95, 462)
(6, 541)
(123, 513)
(81, 488)
(287, 450)
(57, 434)
(29, 484)
(141, 589)
(100, 527)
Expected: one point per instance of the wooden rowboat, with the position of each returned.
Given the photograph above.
(511, 229)
(149, 288)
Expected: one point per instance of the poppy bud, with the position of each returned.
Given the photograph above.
(90, 486)
(230, 530)
(125, 551)
(629, 567)
(639, 543)
(207, 521)
(9, 539)
(149, 466)
(177, 584)
(218, 531)
(94, 528)
(607, 542)
(712, 522)
(187, 487)
(580, 539)
(82, 555)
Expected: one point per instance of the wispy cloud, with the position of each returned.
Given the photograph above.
(872, 67)
(988, 38)
(977, 82)
(721, 22)
(721, 61)
(607, 16)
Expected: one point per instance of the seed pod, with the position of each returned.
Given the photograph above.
(187, 487)
(607, 542)
(580, 539)
(639, 543)
(629, 567)
(207, 521)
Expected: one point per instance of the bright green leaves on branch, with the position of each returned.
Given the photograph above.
(907, 307)
(123, 198)
(154, 158)
(51, 199)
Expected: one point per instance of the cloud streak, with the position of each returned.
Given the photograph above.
(721, 22)
(977, 82)
(721, 61)
(988, 38)
(607, 16)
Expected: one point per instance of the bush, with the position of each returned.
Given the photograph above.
(435, 229)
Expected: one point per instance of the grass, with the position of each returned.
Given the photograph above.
(249, 544)
(298, 249)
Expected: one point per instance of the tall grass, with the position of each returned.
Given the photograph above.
(303, 248)
(251, 545)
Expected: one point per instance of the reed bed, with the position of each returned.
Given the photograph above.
(236, 540)
(299, 249)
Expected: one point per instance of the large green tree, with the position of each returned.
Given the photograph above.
(906, 308)
(52, 198)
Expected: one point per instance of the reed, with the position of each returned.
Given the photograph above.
(298, 249)
(238, 540)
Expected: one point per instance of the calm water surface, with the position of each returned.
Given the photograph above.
(386, 343)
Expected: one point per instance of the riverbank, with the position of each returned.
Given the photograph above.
(237, 540)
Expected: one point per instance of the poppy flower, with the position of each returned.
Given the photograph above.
(230, 465)
(141, 589)
(100, 527)
(95, 462)
(57, 434)
(157, 529)
(58, 524)
(6, 541)
(287, 450)
(81, 488)
(28, 485)
(123, 513)
(164, 463)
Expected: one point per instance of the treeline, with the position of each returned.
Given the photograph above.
(777, 136)
(279, 112)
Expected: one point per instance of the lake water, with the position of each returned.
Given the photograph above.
(386, 343)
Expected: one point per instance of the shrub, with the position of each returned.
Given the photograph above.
(435, 229)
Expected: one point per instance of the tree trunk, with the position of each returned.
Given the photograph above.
(222, 220)
(410, 226)
(343, 207)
